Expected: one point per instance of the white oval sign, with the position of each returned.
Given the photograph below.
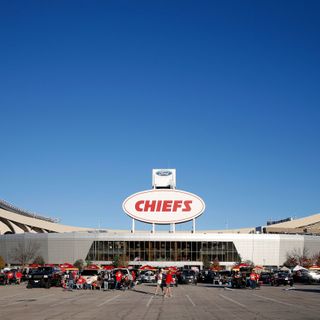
(162, 206)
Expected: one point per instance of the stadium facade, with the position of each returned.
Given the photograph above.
(58, 243)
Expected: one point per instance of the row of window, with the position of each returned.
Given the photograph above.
(163, 251)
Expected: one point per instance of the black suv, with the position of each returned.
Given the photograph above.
(44, 277)
(188, 277)
(281, 277)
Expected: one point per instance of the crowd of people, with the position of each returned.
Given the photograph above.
(105, 280)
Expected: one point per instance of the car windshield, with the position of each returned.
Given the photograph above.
(44, 269)
(188, 272)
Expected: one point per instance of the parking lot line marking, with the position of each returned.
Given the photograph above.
(233, 301)
(148, 304)
(273, 300)
(109, 300)
(190, 300)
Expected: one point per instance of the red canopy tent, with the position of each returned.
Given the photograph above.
(49, 265)
(239, 266)
(34, 265)
(314, 267)
(67, 267)
(108, 267)
(92, 267)
(146, 267)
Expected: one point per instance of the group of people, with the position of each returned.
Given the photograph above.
(239, 280)
(105, 281)
(11, 277)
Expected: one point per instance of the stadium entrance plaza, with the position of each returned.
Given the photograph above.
(203, 301)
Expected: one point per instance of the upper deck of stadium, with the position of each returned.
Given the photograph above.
(16, 220)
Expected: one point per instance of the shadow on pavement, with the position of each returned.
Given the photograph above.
(307, 290)
(144, 292)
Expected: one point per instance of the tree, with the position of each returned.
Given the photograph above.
(206, 262)
(120, 261)
(38, 260)
(298, 257)
(316, 259)
(79, 264)
(23, 253)
(2, 263)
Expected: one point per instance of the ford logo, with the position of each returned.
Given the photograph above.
(164, 173)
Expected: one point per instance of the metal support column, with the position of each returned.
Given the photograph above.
(153, 228)
(193, 225)
(133, 226)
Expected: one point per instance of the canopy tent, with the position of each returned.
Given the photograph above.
(92, 267)
(258, 269)
(34, 265)
(314, 267)
(240, 266)
(298, 268)
(109, 267)
(67, 267)
(284, 269)
(146, 267)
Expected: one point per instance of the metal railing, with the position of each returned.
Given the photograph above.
(7, 206)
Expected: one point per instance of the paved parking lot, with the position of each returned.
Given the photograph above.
(189, 302)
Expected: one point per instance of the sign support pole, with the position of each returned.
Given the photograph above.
(173, 228)
(153, 228)
(133, 227)
(193, 225)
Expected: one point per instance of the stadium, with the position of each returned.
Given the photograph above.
(59, 243)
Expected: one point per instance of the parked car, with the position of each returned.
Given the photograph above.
(306, 276)
(44, 277)
(126, 276)
(206, 276)
(147, 277)
(188, 277)
(265, 277)
(281, 278)
(222, 277)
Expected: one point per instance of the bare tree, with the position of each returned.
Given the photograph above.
(298, 257)
(25, 252)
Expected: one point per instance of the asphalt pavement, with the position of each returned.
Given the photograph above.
(188, 302)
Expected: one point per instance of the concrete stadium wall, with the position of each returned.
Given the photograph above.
(262, 249)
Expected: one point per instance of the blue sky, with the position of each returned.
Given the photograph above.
(94, 94)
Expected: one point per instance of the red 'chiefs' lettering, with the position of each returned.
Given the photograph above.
(163, 205)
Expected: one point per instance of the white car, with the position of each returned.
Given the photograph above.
(90, 275)
(148, 276)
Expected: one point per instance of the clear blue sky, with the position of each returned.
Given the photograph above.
(94, 94)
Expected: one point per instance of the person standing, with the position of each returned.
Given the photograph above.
(118, 279)
(106, 280)
(70, 281)
(159, 282)
(169, 279)
(253, 280)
